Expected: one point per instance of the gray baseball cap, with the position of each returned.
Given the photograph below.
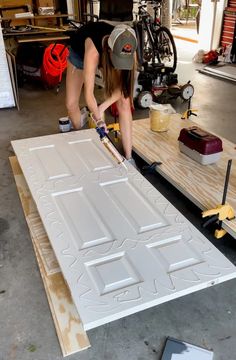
(123, 44)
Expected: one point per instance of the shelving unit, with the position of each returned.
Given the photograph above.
(42, 34)
(33, 19)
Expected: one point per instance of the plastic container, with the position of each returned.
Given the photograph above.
(201, 159)
(160, 116)
(64, 124)
(200, 145)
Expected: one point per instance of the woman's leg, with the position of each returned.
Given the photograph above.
(74, 83)
(125, 120)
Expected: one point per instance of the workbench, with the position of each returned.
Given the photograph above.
(202, 184)
(43, 33)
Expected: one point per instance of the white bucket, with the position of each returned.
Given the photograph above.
(160, 117)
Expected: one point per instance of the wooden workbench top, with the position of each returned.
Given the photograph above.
(42, 38)
(202, 184)
(36, 17)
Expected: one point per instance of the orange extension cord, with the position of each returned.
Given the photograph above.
(54, 64)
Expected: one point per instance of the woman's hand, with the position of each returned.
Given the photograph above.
(99, 122)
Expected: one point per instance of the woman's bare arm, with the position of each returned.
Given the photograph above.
(109, 101)
(91, 61)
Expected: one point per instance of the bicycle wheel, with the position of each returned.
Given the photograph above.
(166, 48)
(147, 48)
(138, 28)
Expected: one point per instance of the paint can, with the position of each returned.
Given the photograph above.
(159, 120)
(64, 124)
(160, 116)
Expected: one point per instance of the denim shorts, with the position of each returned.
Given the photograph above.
(75, 59)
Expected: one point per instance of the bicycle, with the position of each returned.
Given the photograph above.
(156, 43)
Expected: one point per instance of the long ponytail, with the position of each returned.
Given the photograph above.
(116, 79)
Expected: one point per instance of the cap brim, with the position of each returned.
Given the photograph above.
(122, 63)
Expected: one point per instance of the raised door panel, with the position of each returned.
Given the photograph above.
(121, 246)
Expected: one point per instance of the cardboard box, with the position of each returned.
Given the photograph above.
(48, 3)
(45, 3)
(46, 10)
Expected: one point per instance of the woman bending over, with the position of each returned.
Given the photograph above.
(111, 49)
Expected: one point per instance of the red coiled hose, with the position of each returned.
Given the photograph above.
(54, 63)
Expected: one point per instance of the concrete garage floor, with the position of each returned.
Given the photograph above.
(206, 318)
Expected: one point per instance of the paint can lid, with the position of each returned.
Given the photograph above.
(64, 120)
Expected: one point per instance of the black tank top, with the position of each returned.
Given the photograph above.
(93, 30)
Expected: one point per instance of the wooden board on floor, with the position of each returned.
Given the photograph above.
(72, 337)
(202, 184)
(34, 222)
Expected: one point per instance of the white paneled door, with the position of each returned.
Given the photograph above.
(121, 246)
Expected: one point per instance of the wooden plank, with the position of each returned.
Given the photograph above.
(37, 39)
(38, 17)
(22, 33)
(34, 222)
(202, 184)
(69, 328)
(50, 29)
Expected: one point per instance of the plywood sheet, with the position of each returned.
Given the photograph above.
(222, 71)
(34, 222)
(69, 328)
(200, 183)
(122, 247)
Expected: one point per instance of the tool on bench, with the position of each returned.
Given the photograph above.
(220, 212)
(188, 113)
